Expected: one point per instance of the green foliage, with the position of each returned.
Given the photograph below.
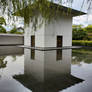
(48, 11)
(82, 55)
(15, 31)
(2, 21)
(2, 29)
(76, 26)
(79, 34)
(2, 63)
(88, 28)
(30, 9)
(81, 43)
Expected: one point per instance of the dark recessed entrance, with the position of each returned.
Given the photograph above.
(59, 41)
(32, 41)
(59, 55)
(32, 54)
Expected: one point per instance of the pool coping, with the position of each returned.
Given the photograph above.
(49, 48)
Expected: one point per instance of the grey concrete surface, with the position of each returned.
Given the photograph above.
(11, 39)
(49, 48)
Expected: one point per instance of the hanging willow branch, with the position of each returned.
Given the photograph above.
(30, 9)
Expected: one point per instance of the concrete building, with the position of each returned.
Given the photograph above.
(57, 33)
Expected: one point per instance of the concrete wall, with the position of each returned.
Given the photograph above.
(39, 35)
(11, 39)
(46, 35)
(61, 27)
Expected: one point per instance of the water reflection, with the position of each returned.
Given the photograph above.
(2, 62)
(42, 72)
(8, 51)
(81, 55)
(59, 55)
(11, 63)
(33, 54)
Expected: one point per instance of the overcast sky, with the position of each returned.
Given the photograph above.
(85, 19)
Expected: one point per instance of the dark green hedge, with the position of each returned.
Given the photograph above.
(81, 43)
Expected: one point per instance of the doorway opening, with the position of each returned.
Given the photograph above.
(33, 41)
(59, 41)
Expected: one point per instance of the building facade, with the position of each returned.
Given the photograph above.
(57, 33)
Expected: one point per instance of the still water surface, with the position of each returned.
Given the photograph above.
(25, 70)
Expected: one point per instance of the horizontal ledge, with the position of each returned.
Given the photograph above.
(49, 48)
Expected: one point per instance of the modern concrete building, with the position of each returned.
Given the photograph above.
(57, 33)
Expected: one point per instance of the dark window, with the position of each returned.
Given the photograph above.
(32, 41)
(59, 41)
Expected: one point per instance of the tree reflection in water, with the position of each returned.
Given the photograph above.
(2, 62)
(81, 55)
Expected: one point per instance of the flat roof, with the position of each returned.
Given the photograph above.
(63, 9)
(72, 12)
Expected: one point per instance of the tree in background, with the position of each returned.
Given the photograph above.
(79, 33)
(89, 30)
(16, 30)
(2, 21)
(76, 26)
(32, 7)
(2, 29)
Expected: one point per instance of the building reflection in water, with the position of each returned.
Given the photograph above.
(59, 55)
(42, 72)
(33, 54)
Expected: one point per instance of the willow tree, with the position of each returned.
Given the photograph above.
(2, 22)
(30, 9)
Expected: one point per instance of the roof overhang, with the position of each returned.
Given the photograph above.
(67, 10)
(63, 9)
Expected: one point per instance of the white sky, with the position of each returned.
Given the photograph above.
(85, 19)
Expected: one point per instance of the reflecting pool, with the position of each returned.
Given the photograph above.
(28, 70)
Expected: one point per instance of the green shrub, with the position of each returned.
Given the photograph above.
(2, 29)
(81, 43)
(79, 34)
